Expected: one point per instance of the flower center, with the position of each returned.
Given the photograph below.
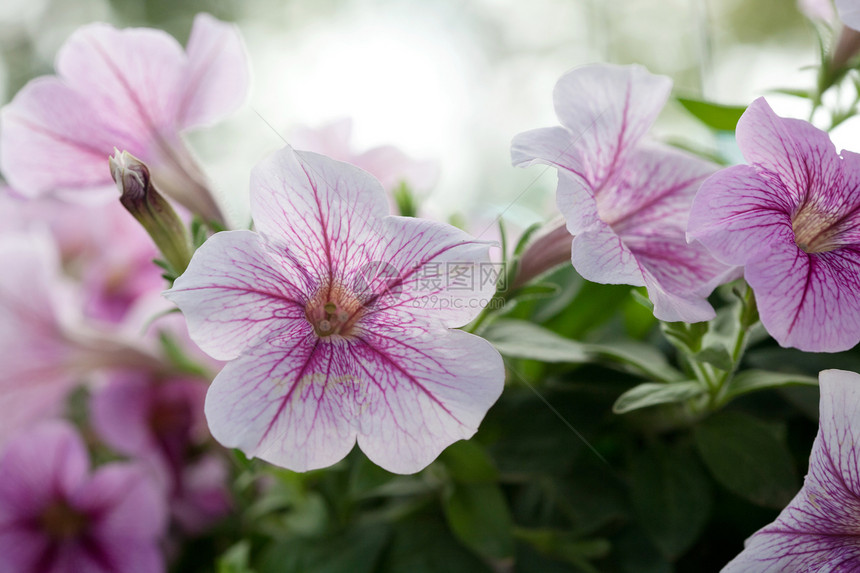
(333, 310)
(61, 521)
(814, 230)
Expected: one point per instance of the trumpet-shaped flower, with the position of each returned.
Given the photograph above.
(338, 323)
(133, 89)
(820, 529)
(625, 201)
(792, 219)
(55, 516)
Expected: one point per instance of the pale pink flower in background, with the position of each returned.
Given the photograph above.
(46, 346)
(56, 516)
(159, 420)
(134, 89)
(820, 529)
(625, 200)
(792, 219)
(101, 246)
(387, 163)
(338, 321)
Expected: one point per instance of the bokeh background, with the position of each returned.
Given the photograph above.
(450, 80)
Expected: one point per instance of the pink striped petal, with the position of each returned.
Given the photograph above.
(818, 530)
(237, 289)
(217, 77)
(291, 400)
(607, 110)
(419, 401)
(807, 301)
(331, 209)
(802, 156)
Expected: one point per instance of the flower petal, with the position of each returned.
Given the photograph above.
(817, 531)
(21, 549)
(549, 145)
(427, 392)
(289, 400)
(217, 76)
(134, 76)
(849, 13)
(127, 503)
(428, 270)
(237, 289)
(48, 119)
(737, 213)
(810, 302)
(325, 212)
(36, 373)
(46, 463)
(608, 109)
(801, 155)
(600, 255)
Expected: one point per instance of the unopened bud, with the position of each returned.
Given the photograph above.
(547, 250)
(845, 54)
(152, 211)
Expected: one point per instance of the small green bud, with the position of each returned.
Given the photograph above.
(152, 211)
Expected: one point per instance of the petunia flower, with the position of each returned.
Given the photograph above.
(625, 200)
(819, 529)
(792, 219)
(133, 89)
(159, 420)
(46, 347)
(55, 516)
(388, 164)
(338, 321)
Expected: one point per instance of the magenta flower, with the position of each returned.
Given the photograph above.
(55, 516)
(132, 89)
(338, 321)
(791, 219)
(625, 201)
(820, 529)
(160, 421)
(387, 163)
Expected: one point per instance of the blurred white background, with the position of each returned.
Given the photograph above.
(451, 80)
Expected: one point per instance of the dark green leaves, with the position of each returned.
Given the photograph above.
(672, 497)
(745, 456)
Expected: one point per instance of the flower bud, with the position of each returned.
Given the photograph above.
(549, 249)
(152, 211)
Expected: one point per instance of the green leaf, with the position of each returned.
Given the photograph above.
(235, 559)
(796, 92)
(522, 339)
(359, 550)
(478, 515)
(716, 355)
(671, 495)
(652, 394)
(423, 544)
(716, 116)
(535, 291)
(638, 358)
(745, 457)
(754, 380)
(467, 462)
(564, 545)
